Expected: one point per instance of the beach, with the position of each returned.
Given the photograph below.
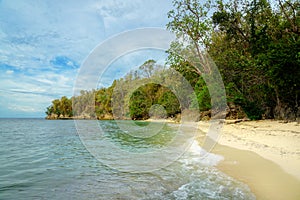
(263, 154)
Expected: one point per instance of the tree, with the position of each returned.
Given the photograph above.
(255, 46)
(49, 110)
(65, 107)
(169, 101)
(191, 23)
(56, 107)
(139, 104)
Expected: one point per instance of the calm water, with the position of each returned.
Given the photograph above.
(42, 159)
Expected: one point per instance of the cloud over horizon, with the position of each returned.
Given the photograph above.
(43, 44)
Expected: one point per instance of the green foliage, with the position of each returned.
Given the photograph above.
(60, 108)
(190, 19)
(84, 104)
(203, 98)
(103, 98)
(255, 44)
(113, 101)
(149, 95)
(169, 101)
(256, 48)
(139, 105)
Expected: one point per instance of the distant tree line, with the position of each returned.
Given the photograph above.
(104, 102)
(255, 45)
(60, 108)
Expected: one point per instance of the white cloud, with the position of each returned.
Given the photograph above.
(9, 72)
(123, 15)
(22, 108)
(33, 33)
(131, 61)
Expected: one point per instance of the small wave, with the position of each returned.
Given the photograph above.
(200, 156)
(205, 181)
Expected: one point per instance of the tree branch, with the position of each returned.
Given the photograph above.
(294, 27)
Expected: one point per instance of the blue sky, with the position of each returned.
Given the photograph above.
(43, 44)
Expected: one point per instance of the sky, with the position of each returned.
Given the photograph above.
(43, 45)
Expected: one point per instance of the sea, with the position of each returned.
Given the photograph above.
(49, 159)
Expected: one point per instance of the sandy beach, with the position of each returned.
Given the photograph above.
(263, 154)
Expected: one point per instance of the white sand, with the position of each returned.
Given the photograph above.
(273, 140)
(263, 154)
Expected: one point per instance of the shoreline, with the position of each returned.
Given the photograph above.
(273, 140)
(266, 179)
(265, 155)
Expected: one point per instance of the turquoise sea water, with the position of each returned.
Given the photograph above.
(42, 159)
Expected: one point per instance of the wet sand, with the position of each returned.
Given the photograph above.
(266, 179)
(264, 155)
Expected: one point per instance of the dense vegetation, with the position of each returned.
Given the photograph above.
(255, 45)
(122, 100)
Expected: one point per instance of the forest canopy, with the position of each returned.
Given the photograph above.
(255, 45)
